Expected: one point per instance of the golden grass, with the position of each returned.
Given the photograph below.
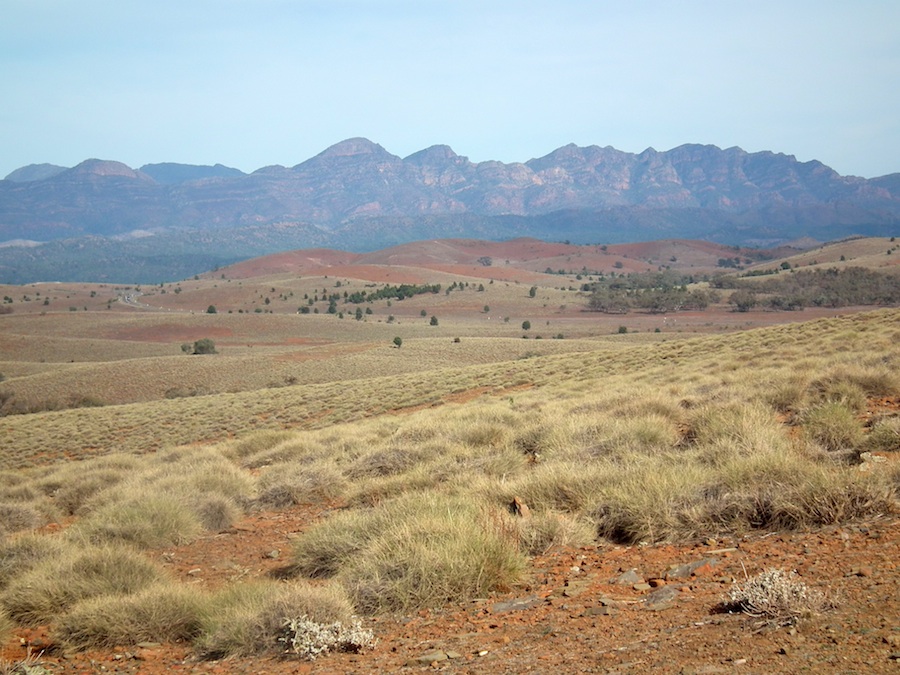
(651, 442)
(55, 584)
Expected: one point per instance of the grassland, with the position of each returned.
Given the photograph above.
(419, 451)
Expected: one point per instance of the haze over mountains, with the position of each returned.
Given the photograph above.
(166, 221)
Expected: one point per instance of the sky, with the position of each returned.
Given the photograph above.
(251, 83)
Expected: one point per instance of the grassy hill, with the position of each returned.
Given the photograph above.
(433, 473)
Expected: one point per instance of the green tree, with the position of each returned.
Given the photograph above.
(398, 341)
(359, 314)
(532, 291)
(526, 325)
(204, 346)
(211, 309)
(742, 300)
(434, 321)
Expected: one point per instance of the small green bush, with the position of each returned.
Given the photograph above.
(204, 346)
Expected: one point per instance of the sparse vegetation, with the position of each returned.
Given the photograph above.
(410, 464)
(777, 597)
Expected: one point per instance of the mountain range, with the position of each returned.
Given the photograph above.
(163, 221)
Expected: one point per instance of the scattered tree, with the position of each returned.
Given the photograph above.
(204, 346)
(211, 309)
(434, 321)
(398, 342)
(526, 325)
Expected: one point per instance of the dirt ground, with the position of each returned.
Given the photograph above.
(597, 609)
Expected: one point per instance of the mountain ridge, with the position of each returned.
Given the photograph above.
(356, 194)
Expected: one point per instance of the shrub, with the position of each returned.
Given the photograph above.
(430, 549)
(56, 584)
(284, 485)
(249, 618)
(309, 639)
(19, 555)
(160, 613)
(398, 342)
(545, 531)
(777, 597)
(834, 426)
(204, 346)
(17, 517)
(148, 521)
(211, 309)
(884, 436)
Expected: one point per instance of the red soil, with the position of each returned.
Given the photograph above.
(573, 616)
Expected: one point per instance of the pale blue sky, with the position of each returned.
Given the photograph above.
(250, 83)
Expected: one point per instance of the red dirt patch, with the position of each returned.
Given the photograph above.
(571, 614)
(169, 333)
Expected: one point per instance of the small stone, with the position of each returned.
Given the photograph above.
(785, 651)
(656, 583)
(149, 645)
(628, 578)
(516, 605)
(454, 655)
(600, 611)
(428, 658)
(273, 554)
(661, 598)
(194, 572)
(696, 568)
(483, 652)
(642, 586)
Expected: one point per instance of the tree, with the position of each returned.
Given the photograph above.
(434, 321)
(742, 300)
(211, 309)
(359, 314)
(204, 346)
(532, 291)
(526, 325)
(398, 341)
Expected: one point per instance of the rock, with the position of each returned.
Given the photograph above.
(428, 658)
(642, 586)
(516, 605)
(661, 598)
(600, 611)
(574, 589)
(693, 569)
(628, 578)
(274, 554)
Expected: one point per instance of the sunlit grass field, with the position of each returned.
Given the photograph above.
(640, 442)
(424, 453)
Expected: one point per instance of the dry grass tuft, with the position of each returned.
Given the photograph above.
(418, 550)
(250, 618)
(159, 613)
(55, 584)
